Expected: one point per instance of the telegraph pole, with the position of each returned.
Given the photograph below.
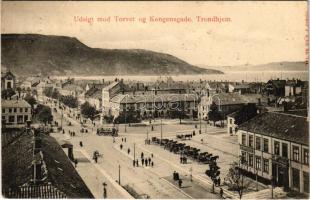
(134, 151)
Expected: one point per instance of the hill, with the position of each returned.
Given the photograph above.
(32, 54)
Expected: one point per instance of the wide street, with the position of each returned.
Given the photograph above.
(155, 182)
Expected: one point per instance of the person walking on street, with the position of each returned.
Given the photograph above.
(137, 163)
(121, 146)
(152, 155)
(128, 151)
(81, 144)
(180, 183)
(149, 160)
(142, 155)
(142, 161)
(221, 193)
(146, 162)
(152, 164)
(134, 163)
(122, 139)
(75, 163)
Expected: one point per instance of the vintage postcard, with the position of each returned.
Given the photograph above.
(155, 100)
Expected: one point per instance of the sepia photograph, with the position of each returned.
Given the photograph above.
(154, 100)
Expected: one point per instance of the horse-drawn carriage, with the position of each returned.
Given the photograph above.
(184, 136)
(107, 131)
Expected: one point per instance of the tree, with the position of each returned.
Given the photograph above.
(44, 114)
(88, 110)
(69, 101)
(5, 94)
(130, 116)
(48, 91)
(235, 179)
(55, 94)
(245, 113)
(213, 173)
(214, 113)
(31, 100)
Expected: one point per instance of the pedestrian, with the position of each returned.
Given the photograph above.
(137, 163)
(122, 139)
(201, 141)
(149, 160)
(121, 146)
(221, 192)
(105, 193)
(142, 155)
(152, 155)
(152, 164)
(81, 144)
(113, 139)
(180, 183)
(128, 151)
(96, 158)
(134, 163)
(73, 134)
(75, 162)
(146, 162)
(219, 181)
(63, 131)
(142, 161)
(181, 159)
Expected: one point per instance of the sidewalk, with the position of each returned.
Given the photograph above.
(94, 176)
(193, 188)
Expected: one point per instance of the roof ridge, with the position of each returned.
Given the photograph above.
(288, 114)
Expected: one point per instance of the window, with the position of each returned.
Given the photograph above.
(276, 148)
(11, 119)
(251, 160)
(251, 141)
(284, 150)
(15, 110)
(243, 157)
(266, 166)
(266, 145)
(25, 118)
(306, 156)
(3, 118)
(296, 178)
(258, 162)
(306, 182)
(20, 119)
(258, 143)
(296, 153)
(230, 121)
(21, 110)
(10, 110)
(3, 110)
(26, 109)
(243, 139)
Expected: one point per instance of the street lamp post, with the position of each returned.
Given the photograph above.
(161, 129)
(134, 151)
(119, 174)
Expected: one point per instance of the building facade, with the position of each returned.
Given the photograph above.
(15, 113)
(275, 146)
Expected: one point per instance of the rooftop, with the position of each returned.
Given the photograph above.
(15, 104)
(279, 125)
(18, 155)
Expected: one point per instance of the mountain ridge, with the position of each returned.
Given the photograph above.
(31, 54)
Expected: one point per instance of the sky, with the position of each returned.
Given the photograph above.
(257, 33)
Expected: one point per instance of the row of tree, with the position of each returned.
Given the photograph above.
(68, 100)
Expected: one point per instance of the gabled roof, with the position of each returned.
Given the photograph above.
(279, 125)
(156, 98)
(6, 74)
(94, 93)
(235, 98)
(111, 85)
(61, 173)
(18, 103)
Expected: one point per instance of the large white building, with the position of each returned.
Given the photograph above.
(15, 113)
(276, 145)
